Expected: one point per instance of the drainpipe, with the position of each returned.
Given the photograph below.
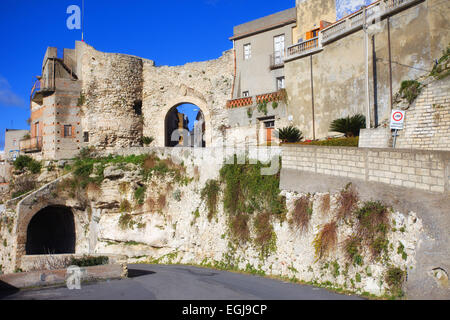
(390, 61)
(234, 75)
(312, 99)
(366, 58)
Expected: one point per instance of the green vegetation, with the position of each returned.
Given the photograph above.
(373, 225)
(349, 126)
(125, 206)
(274, 105)
(395, 277)
(290, 134)
(247, 193)
(352, 250)
(325, 240)
(302, 213)
(139, 194)
(262, 106)
(89, 261)
(401, 251)
(249, 113)
(147, 140)
(210, 193)
(335, 142)
(410, 90)
(27, 162)
(441, 69)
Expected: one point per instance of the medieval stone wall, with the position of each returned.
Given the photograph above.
(112, 88)
(205, 84)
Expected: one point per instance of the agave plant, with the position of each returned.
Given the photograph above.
(290, 134)
(349, 126)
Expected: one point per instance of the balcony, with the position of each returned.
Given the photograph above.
(241, 102)
(354, 21)
(304, 48)
(277, 60)
(40, 89)
(349, 24)
(31, 145)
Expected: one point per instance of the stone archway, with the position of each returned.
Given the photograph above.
(51, 231)
(200, 103)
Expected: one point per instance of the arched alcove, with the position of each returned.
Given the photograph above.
(51, 231)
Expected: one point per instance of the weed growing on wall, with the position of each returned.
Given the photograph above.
(210, 194)
(248, 193)
(302, 213)
(325, 240)
(347, 202)
(410, 90)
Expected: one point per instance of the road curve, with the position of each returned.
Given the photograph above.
(176, 282)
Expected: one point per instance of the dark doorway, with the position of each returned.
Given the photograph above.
(51, 230)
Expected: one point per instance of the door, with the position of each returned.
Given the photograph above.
(269, 125)
(278, 47)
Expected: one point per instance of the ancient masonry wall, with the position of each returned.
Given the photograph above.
(206, 84)
(427, 121)
(111, 90)
(424, 170)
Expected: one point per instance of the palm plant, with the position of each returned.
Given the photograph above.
(290, 134)
(349, 126)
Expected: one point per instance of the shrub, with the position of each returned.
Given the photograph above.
(23, 162)
(290, 134)
(349, 126)
(22, 185)
(139, 194)
(441, 69)
(335, 142)
(210, 193)
(373, 220)
(88, 261)
(347, 201)
(351, 248)
(265, 235)
(325, 240)
(147, 140)
(395, 277)
(125, 206)
(239, 227)
(302, 213)
(126, 221)
(410, 89)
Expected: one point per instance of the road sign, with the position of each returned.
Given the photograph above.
(397, 119)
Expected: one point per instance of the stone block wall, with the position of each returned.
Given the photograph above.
(424, 170)
(375, 137)
(427, 121)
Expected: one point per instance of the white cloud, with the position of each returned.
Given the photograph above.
(7, 96)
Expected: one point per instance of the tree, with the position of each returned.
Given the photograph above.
(349, 126)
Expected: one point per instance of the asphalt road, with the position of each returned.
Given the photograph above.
(174, 282)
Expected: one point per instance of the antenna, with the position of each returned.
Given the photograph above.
(82, 19)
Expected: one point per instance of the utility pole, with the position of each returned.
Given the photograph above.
(82, 20)
(390, 62)
(366, 58)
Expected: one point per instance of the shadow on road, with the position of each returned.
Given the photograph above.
(7, 290)
(134, 273)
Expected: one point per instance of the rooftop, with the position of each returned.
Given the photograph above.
(266, 23)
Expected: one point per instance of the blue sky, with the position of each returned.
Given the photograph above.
(168, 32)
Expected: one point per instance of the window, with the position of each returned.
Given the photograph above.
(278, 49)
(67, 130)
(246, 94)
(247, 51)
(269, 124)
(85, 136)
(280, 83)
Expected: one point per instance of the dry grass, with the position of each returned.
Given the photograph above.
(124, 187)
(351, 247)
(196, 173)
(239, 227)
(50, 262)
(162, 202)
(326, 239)
(150, 162)
(325, 204)
(302, 213)
(151, 204)
(347, 202)
(263, 228)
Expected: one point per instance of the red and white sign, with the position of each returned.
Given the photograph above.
(397, 119)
